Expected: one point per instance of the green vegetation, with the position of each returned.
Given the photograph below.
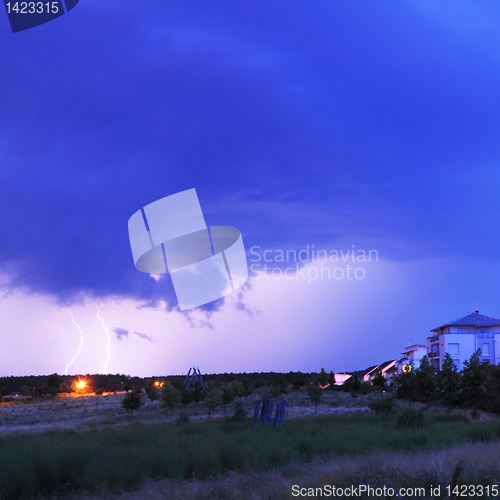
(152, 390)
(239, 413)
(383, 406)
(408, 418)
(213, 400)
(315, 394)
(132, 401)
(170, 397)
(476, 387)
(33, 464)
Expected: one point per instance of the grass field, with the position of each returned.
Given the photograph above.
(122, 458)
(478, 463)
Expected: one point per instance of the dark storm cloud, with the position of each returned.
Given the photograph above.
(121, 334)
(144, 336)
(297, 123)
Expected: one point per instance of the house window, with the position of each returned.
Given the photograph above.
(485, 349)
(453, 349)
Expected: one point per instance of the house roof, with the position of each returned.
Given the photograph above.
(472, 319)
(372, 370)
(386, 365)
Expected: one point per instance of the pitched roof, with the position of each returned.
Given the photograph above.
(372, 370)
(366, 371)
(472, 319)
(386, 365)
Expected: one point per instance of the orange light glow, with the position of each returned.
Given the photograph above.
(158, 383)
(80, 385)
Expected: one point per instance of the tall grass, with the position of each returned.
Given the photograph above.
(479, 462)
(117, 459)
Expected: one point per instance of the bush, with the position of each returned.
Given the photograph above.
(132, 401)
(408, 417)
(183, 418)
(240, 412)
(383, 406)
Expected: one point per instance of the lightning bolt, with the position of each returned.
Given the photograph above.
(105, 370)
(81, 343)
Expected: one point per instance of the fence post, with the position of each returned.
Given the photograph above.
(280, 414)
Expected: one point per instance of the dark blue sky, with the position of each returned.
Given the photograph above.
(326, 123)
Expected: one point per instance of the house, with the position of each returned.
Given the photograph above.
(340, 378)
(412, 354)
(366, 374)
(462, 337)
(387, 368)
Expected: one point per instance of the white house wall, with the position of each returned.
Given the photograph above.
(466, 345)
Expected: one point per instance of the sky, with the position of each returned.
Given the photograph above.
(366, 130)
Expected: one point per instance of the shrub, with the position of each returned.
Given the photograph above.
(383, 406)
(408, 417)
(183, 418)
(240, 412)
(132, 401)
(315, 394)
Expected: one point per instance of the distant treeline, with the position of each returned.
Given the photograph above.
(51, 384)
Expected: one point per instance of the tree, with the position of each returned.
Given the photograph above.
(378, 380)
(26, 391)
(236, 387)
(322, 378)
(170, 398)
(240, 412)
(493, 388)
(132, 400)
(448, 382)
(248, 387)
(227, 396)
(425, 383)
(278, 387)
(213, 399)
(299, 380)
(187, 397)
(473, 383)
(315, 394)
(197, 392)
(331, 380)
(152, 390)
(52, 384)
(406, 382)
